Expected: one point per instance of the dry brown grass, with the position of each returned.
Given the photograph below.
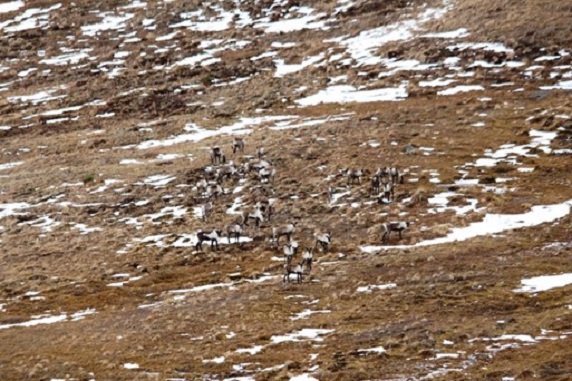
(453, 292)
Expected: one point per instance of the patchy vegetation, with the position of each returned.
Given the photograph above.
(109, 116)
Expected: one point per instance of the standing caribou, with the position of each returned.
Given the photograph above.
(217, 156)
(298, 269)
(237, 145)
(225, 172)
(388, 191)
(393, 227)
(266, 175)
(260, 152)
(354, 175)
(213, 236)
(289, 252)
(265, 206)
(234, 230)
(324, 240)
(206, 210)
(286, 230)
(308, 258)
(396, 175)
(255, 215)
(375, 184)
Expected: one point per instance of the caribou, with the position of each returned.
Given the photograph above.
(388, 191)
(265, 207)
(399, 227)
(324, 239)
(308, 258)
(256, 164)
(225, 171)
(255, 215)
(260, 152)
(382, 172)
(237, 145)
(213, 236)
(266, 174)
(214, 190)
(234, 230)
(331, 191)
(217, 156)
(289, 252)
(298, 270)
(375, 184)
(202, 185)
(206, 210)
(354, 175)
(286, 230)
(396, 176)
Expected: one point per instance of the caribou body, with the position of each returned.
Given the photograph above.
(323, 240)
(399, 227)
(217, 156)
(290, 249)
(234, 230)
(255, 215)
(286, 230)
(260, 152)
(213, 236)
(354, 175)
(206, 210)
(225, 172)
(237, 145)
(298, 269)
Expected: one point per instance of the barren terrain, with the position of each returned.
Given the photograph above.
(109, 111)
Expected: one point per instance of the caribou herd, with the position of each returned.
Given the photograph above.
(259, 168)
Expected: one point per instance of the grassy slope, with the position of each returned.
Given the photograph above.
(456, 292)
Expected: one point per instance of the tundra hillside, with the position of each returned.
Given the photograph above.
(285, 190)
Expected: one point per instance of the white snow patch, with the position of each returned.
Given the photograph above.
(303, 334)
(460, 89)
(306, 313)
(488, 46)
(158, 180)
(310, 21)
(309, 122)
(303, 377)
(130, 161)
(11, 6)
(544, 283)
(370, 288)
(363, 47)
(197, 133)
(284, 69)
(541, 140)
(110, 21)
(216, 360)
(562, 85)
(254, 350)
(348, 94)
(439, 82)
(31, 18)
(84, 229)
(378, 350)
(10, 165)
(439, 356)
(49, 319)
(46, 223)
(70, 58)
(493, 224)
(459, 33)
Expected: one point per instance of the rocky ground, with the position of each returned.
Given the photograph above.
(108, 114)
